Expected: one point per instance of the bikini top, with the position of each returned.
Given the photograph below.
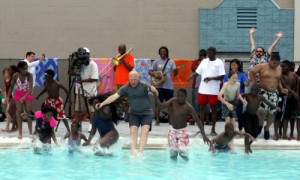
(22, 86)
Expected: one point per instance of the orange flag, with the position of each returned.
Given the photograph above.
(184, 72)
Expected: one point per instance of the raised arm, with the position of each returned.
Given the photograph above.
(164, 104)
(252, 43)
(278, 36)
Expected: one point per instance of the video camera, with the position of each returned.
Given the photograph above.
(79, 58)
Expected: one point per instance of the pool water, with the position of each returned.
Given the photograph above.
(155, 164)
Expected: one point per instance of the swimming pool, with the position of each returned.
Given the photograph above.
(155, 164)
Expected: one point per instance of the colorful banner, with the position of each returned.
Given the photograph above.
(181, 80)
(48, 63)
(142, 66)
(106, 74)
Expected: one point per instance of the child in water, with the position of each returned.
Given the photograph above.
(220, 143)
(178, 135)
(74, 136)
(251, 121)
(104, 120)
(44, 129)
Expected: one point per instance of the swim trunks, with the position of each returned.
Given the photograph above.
(178, 139)
(58, 104)
(271, 96)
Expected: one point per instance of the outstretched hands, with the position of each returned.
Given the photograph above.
(252, 30)
(279, 34)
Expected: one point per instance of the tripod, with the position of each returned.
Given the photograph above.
(80, 90)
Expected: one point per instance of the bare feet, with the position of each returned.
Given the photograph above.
(247, 151)
(285, 138)
(13, 130)
(5, 130)
(157, 123)
(276, 137)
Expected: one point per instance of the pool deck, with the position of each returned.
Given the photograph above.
(157, 137)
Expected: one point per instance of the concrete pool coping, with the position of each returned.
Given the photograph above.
(157, 137)
(161, 143)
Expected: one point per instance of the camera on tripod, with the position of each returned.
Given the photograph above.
(78, 59)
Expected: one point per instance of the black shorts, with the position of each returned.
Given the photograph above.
(140, 120)
(165, 94)
(251, 124)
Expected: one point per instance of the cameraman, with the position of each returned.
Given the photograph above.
(88, 72)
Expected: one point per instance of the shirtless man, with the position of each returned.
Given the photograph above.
(270, 75)
(178, 138)
(251, 122)
(289, 81)
(52, 88)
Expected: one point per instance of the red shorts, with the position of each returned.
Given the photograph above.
(207, 98)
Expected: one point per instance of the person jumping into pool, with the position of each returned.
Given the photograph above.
(104, 120)
(221, 142)
(178, 135)
(44, 128)
(52, 88)
(74, 137)
(140, 113)
(251, 121)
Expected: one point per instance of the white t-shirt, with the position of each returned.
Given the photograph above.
(209, 68)
(31, 68)
(90, 71)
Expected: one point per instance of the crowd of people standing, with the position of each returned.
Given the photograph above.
(269, 92)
